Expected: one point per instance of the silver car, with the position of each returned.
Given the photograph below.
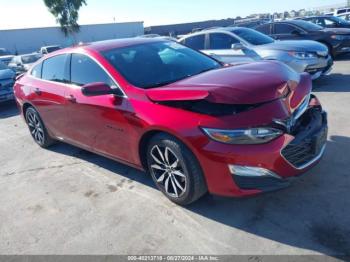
(22, 63)
(230, 44)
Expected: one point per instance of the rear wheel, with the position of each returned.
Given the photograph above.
(37, 128)
(175, 170)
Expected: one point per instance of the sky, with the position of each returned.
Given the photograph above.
(33, 13)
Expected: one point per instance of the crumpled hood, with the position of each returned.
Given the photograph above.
(338, 31)
(243, 84)
(6, 74)
(295, 45)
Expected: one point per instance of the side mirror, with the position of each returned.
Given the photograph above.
(97, 89)
(237, 46)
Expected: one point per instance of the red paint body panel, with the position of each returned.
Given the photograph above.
(114, 126)
(243, 84)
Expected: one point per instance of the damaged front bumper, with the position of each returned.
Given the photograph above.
(304, 151)
(247, 170)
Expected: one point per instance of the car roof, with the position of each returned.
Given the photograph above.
(47, 46)
(118, 43)
(218, 29)
(297, 22)
(317, 16)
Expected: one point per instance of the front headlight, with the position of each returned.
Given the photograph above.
(303, 55)
(243, 136)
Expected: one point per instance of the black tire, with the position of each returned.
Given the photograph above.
(37, 128)
(192, 182)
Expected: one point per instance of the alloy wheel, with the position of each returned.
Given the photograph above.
(168, 172)
(36, 128)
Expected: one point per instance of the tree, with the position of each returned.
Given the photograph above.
(66, 13)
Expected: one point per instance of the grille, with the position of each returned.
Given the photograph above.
(304, 152)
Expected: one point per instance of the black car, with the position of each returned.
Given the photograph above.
(336, 39)
(328, 21)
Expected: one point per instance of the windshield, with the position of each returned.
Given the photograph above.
(253, 37)
(3, 66)
(340, 20)
(308, 26)
(158, 63)
(29, 59)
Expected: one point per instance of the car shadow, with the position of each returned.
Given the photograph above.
(311, 214)
(332, 83)
(103, 162)
(8, 109)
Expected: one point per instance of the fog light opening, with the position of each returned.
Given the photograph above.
(247, 171)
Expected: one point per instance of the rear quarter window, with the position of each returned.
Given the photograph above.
(36, 71)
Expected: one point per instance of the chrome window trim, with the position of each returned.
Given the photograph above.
(89, 56)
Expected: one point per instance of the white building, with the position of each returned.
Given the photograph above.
(31, 39)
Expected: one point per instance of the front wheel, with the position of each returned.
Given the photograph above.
(37, 128)
(175, 170)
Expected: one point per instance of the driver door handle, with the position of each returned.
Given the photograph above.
(71, 98)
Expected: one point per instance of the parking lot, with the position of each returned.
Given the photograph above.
(68, 201)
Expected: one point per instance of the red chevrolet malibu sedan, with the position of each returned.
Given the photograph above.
(196, 125)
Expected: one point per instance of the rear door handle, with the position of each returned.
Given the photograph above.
(71, 98)
(37, 91)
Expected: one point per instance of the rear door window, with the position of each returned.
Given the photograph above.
(55, 69)
(284, 29)
(330, 23)
(319, 21)
(195, 42)
(265, 29)
(221, 41)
